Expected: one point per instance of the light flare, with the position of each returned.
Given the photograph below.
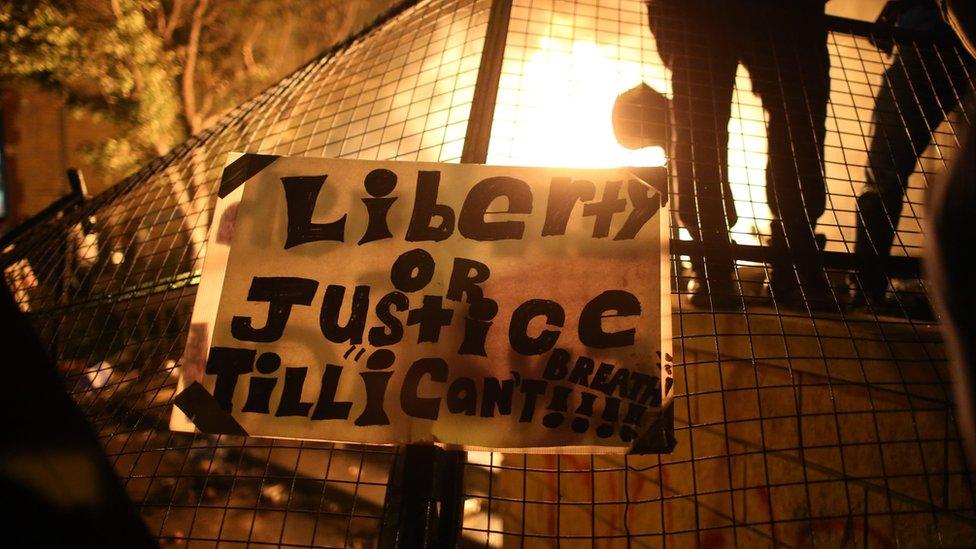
(554, 109)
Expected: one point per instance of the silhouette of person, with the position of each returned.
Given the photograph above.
(640, 118)
(783, 45)
(918, 90)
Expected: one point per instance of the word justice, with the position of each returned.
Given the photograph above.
(394, 311)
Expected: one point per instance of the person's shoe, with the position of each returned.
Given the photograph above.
(798, 279)
(717, 293)
(866, 296)
(809, 291)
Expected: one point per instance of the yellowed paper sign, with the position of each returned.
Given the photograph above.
(466, 305)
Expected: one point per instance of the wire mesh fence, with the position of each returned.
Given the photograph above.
(797, 424)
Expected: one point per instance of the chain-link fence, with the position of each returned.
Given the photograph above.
(802, 418)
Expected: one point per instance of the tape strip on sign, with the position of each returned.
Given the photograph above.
(200, 406)
(241, 170)
(652, 177)
(484, 307)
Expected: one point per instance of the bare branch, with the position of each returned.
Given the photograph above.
(189, 68)
(175, 18)
(160, 19)
(247, 48)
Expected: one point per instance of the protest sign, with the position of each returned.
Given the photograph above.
(396, 302)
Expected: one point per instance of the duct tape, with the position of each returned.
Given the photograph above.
(241, 170)
(656, 178)
(659, 436)
(205, 413)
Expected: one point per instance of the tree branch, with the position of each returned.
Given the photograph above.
(247, 48)
(189, 69)
(173, 22)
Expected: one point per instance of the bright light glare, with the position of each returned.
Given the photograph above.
(562, 113)
(554, 109)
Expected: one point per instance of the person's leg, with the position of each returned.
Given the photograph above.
(702, 76)
(914, 98)
(789, 65)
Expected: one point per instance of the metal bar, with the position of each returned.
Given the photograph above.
(423, 503)
(478, 133)
(56, 207)
(164, 284)
(410, 510)
(909, 267)
(77, 181)
(448, 488)
(78, 194)
(866, 29)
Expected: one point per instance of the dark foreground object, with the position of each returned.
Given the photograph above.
(59, 490)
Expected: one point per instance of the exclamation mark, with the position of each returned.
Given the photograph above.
(558, 404)
(611, 414)
(585, 408)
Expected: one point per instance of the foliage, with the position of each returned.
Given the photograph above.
(162, 69)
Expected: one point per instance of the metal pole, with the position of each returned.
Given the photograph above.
(424, 498)
(76, 180)
(478, 133)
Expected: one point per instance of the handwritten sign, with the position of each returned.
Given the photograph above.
(397, 302)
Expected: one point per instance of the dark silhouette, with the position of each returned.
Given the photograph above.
(922, 85)
(949, 253)
(783, 46)
(59, 488)
(640, 118)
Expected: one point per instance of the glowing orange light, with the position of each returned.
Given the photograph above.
(562, 112)
(554, 109)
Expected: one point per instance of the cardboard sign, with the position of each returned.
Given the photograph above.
(472, 306)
